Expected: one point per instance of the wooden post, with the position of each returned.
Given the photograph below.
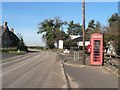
(83, 29)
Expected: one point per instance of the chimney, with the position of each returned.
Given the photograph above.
(12, 30)
(5, 24)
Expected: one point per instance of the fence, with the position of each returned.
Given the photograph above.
(74, 56)
(112, 62)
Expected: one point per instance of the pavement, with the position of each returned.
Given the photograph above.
(86, 76)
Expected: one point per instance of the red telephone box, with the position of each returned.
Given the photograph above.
(96, 56)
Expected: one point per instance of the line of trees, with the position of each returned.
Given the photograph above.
(53, 30)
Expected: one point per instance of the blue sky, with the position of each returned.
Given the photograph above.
(25, 16)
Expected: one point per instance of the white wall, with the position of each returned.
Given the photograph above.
(80, 43)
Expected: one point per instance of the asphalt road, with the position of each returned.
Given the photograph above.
(90, 77)
(34, 70)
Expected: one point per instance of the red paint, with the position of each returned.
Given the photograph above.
(96, 55)
(88, 48)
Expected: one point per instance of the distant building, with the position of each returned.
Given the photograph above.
(79, 40)
(7, 37)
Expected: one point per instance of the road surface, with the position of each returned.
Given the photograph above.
(35, 70)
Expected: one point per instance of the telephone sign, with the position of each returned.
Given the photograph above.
(96, 56)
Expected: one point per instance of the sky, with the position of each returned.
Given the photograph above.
(59, 0)
(24, 17)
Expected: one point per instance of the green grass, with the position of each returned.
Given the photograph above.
(17, 53)
(12, 51)
(7, 50)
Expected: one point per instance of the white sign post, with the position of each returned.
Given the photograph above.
(60, 44)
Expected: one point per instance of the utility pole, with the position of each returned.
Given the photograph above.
(83, 29)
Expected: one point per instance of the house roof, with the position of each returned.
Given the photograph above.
(78, 39)
(3, 29)
(74, 36)
(13, 36)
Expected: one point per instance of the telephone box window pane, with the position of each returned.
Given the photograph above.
(96, 50)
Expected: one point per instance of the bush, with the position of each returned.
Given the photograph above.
(22, 46)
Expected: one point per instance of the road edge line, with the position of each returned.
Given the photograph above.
(75, 65)
(67, 86)
(65, 79)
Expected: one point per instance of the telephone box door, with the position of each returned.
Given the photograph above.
(96, 56)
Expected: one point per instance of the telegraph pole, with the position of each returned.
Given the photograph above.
(83, 29)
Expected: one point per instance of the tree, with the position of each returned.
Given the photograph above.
(113, 20)
(46, 27)
(52, 31)
(91, 24)
(93, 27)
(90, 29)
(74, 28)
(97, 27)
(112, 31)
